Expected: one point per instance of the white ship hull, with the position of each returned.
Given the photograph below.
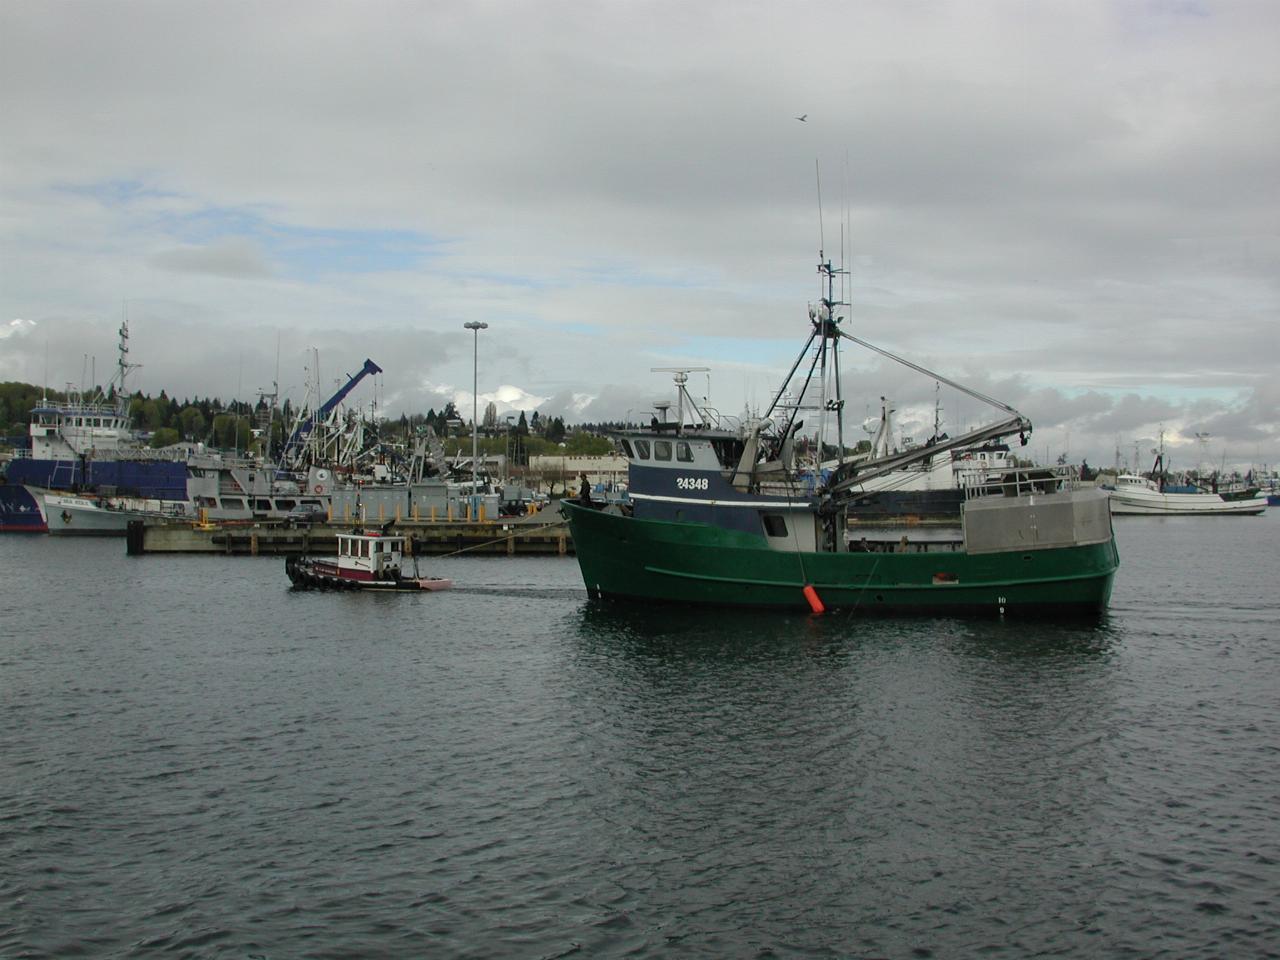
(68, 515)
(1152, 502)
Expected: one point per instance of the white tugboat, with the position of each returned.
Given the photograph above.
(365, 561)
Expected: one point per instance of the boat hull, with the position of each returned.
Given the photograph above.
(1153, 503)
(74, 516)
(650, 560)
(21, 510)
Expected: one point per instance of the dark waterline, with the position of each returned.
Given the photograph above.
(198, 761)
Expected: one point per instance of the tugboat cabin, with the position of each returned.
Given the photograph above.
(369, 556)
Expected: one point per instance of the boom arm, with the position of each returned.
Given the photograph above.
(298, 438)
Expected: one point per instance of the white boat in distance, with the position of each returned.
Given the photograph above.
(69, 514)
(1135, 495)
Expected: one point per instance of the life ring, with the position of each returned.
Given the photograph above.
(319, 488)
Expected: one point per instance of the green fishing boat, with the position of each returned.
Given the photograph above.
(730, 513)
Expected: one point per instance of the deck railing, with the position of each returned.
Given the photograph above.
(1021, 481)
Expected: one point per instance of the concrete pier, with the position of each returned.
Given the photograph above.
(549, 537)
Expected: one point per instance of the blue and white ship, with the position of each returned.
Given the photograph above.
(81, 444)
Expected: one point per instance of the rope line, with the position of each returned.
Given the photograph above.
(488, 543)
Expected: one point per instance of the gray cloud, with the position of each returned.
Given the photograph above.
(1073, 202)
(231, 258)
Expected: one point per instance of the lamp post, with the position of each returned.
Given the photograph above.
(475, 326)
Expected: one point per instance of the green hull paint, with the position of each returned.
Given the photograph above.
(696, 563)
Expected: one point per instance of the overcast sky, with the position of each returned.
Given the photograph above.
(1073, 206)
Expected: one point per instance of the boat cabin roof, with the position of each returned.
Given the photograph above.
(392, 541)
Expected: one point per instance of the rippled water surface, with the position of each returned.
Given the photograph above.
(199, 762)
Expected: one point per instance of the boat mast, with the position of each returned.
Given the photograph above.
(122, 362)
(830, 331)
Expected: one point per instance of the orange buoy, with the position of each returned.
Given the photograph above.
(815, 602)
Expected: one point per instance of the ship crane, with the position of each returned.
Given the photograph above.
(297, 441)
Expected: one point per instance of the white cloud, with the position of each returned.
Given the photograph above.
(16, 328)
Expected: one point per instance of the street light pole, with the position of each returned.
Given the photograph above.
(475, 326)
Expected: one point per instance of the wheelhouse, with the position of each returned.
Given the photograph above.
(369, 556)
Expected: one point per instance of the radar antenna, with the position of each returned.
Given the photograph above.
(680, 375)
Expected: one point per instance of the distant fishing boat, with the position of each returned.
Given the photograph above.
(729, 515)
(934, 486)
(1135, 495)
(1271, 490)
(365, 561)
(1152, 495)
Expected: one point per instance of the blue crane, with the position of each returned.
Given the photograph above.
(298, 439)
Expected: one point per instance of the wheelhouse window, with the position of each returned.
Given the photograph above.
(642, 449)
(775, 524)
(662, 449)
(626, 448)
(684, 452)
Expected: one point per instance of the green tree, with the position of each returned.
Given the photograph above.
(588, 444)
(520, 445)
(192, 423)
(164, 437)
(231, 431)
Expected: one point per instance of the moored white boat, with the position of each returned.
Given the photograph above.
(94, 516)
(1136, 495)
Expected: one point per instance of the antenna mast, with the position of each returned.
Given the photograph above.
(681, 377)
(122, 362)
(822, 239)
(827, 326)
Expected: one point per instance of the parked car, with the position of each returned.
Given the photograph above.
(305, 514)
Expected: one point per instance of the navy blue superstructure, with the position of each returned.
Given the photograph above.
(154, 479)
(687, 475)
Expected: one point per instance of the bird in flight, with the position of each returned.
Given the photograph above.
(803, 117)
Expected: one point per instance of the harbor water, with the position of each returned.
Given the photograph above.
(197, 761)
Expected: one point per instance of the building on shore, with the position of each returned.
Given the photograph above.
(557, 473)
